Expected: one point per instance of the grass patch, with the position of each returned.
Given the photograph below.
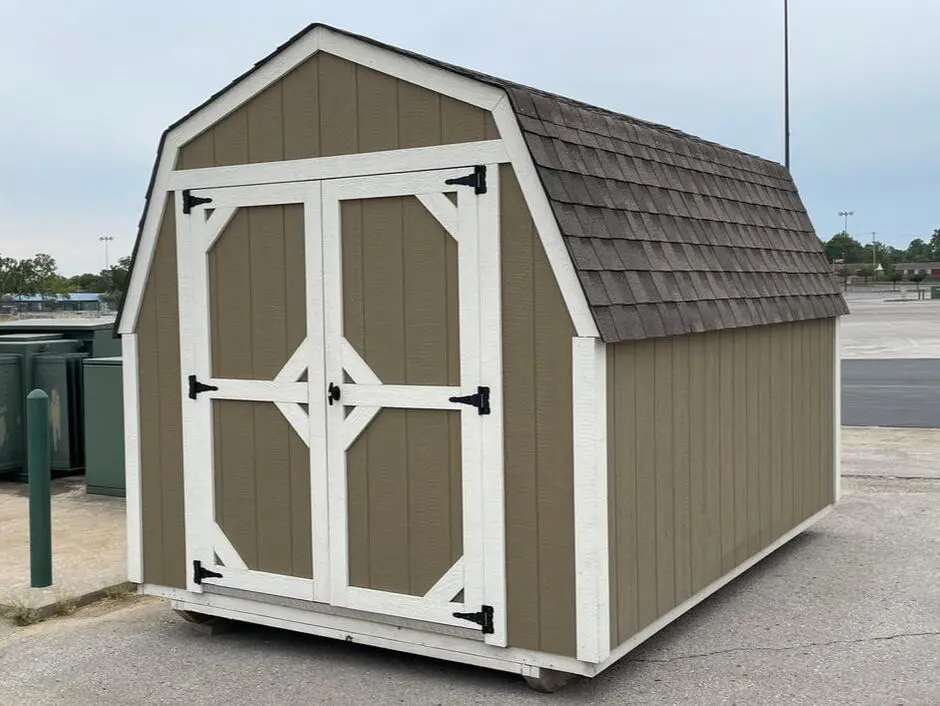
(21, 614)
(121, 592)
(65, 605)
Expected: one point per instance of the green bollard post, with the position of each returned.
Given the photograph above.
(40, 480)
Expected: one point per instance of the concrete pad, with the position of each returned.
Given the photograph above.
(891, 452)
(877, 329)
(88, 545)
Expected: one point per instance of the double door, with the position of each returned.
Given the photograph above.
(341, 381)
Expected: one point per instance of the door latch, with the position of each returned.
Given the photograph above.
(484, 619)
(195, 387)
(332, 394)
(481, 400)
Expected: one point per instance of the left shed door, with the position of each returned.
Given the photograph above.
(251, 352)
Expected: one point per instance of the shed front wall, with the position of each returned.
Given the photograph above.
(718, 444)
(325, 107)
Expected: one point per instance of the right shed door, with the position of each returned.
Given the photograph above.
(414, 407)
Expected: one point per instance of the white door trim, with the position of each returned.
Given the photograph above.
(412, 159)
(131, 391)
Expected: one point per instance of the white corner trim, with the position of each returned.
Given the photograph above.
(837, 412)
(592, 557)
(670, 617)
(544, 218)
(415, 71)
(135, 564)
(412, 159)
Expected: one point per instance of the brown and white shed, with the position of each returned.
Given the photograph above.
(425, 359)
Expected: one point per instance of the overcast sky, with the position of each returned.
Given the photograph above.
(88, 87)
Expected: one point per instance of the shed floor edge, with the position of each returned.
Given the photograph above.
(402, 639)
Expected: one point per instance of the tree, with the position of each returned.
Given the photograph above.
(918, 278)
(843, 246)
(866, 271)
(919, 251)
(935, 245)
(893, 275)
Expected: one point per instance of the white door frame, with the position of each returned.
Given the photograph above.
(197, 231)
(474, 223)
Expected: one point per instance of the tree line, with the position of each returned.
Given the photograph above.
(39, 276)
(844, 247)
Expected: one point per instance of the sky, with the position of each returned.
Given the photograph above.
(87, 88)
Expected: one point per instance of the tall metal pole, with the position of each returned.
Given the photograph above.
(786, 83)
(107, 260)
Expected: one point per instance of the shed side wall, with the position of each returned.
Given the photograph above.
(161, 434)
(719, 444)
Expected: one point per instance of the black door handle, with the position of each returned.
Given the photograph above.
(332, 394)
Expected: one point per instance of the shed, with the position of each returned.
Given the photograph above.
(425, 359)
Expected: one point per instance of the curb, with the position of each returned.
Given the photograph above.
(44, 612)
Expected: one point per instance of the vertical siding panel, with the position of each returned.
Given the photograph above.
(268, 314)
(727, 450)
(698, 475)
(231, 139)
(799, 424)
(461, 122)
(754, 460)
(419, 116)
(665, 476)
(713, 462)
(554, 446)
(377, 110)
(522, 560)
(151, 466)
(383, 269)
(357, 461)
(777, 412)
(301, 100)
(426, 363)
(613, 493)
(624, 440)
(829, 411)
(682, 401)
(646, 393)
(788, 461)
(338, 103)
(740, 446)
(765, 430)
(265, 126)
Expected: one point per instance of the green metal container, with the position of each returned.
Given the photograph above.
(935, 292)
(104, 427)
(11, 414)
(27, 347)
(60, 376)
(95, 337)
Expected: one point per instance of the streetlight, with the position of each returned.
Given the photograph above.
(786, 84)
(845, 215)
(106, 239)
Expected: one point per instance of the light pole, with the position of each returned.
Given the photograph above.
(845, 215)
(106, 239)
(786, 84)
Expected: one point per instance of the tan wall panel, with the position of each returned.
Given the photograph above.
(710, 437)
(328, 106)
(538, 437)
(161, 441)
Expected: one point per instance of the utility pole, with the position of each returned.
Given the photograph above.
(786, 84)
(107, 260)
(845, 215)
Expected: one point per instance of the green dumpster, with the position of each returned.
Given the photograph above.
(935, 292)
(26, 347)
(104, 427)
(95, 337)
(60, 376)
(11, 414)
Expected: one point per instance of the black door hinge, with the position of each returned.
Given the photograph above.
(200, 573)
(195, 387)
(477, 180)
(189, 201)
(484, 619)
(481, 400)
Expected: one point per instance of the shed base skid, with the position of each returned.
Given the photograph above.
(542, 671)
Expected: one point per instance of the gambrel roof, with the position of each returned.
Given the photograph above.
(668, 233)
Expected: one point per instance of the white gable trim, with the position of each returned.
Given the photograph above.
(406, 68)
